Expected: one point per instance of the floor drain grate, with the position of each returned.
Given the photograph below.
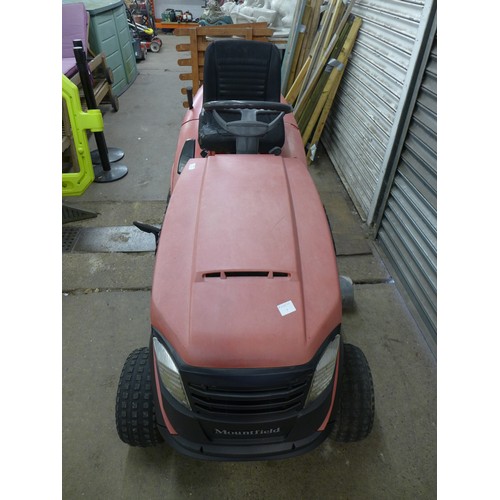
(69, 238)
(107, 239)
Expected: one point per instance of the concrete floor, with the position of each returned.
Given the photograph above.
(106, 315)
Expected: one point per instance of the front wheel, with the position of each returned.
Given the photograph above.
(353, 420)
(135, 410)
(155, 47)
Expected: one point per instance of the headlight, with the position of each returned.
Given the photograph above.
(324, 371)
(169, 374)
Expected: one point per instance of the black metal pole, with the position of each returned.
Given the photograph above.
(88, 91)
(114, 154)
(107, 174)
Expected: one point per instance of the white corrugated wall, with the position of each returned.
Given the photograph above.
(361, 126)
(381, 138)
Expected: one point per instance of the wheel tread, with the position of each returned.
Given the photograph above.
(355, 415)
(135, 410)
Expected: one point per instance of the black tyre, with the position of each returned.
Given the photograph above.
(135, 410)
(354, 415)
(109, 75)
(115, 103)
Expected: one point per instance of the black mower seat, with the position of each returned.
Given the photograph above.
(240, 70)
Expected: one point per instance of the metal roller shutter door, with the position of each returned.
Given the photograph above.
(408, 230)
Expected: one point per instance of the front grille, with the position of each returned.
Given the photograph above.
(278, 400)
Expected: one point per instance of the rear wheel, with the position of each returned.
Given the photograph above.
(354, 417)
(155, 47)
(135, 410)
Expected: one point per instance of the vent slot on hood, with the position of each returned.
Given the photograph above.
(246, 274)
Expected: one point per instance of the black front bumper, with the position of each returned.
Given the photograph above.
(244, 452)
(202, 438)
(204, 434)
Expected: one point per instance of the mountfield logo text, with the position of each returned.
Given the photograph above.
(250, 432)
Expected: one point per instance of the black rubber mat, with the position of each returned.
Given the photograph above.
(71, 214)
(107, 239)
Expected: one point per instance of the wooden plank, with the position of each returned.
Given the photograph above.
(295, 61)
(201, 60)
(224, 30)
(193, 41)
(174, 26)
(295, 88)
(99, 59)
(101, 90)
(184, 62)
(183, 31)
(322, 40)
(343, 58)
(301, 52)
(259, 32)
(305, 113)
(312, 29)
(319, 102)
(310, 83)
(263, 25)
(203, 44)
(328, 25)
(182, 47)
(332, 26)
(291, 44)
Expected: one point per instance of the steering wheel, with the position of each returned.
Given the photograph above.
(248, 125)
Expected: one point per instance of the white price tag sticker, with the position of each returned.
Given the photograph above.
(286, 308)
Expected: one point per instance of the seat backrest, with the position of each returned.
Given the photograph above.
(242, 70)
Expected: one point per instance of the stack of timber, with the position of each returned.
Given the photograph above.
(201, 36)
(330, 36)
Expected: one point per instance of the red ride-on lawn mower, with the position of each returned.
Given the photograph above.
(246, 359)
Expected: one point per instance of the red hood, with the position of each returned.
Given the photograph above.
(231, 251)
